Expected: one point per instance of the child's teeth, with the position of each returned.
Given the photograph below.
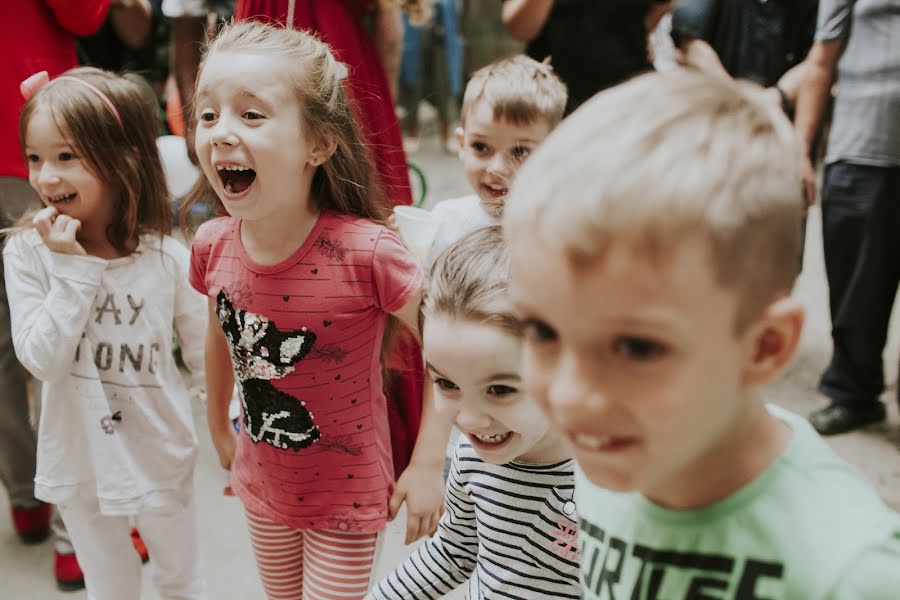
(594, 442)
(495, 438)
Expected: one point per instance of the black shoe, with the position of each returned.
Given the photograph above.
(841, 418)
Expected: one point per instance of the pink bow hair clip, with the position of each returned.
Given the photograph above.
(30, 86)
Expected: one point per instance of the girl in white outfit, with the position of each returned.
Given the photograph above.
(96, 288)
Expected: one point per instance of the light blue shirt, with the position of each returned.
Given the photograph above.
(866, 123)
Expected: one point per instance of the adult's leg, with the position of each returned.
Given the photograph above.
(18, 445)
(279, 557)
(410, 81)
(171, 538)
(447, 66)
(112, 570)
(338, 565)
(862, 262)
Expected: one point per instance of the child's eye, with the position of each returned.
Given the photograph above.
(64, 156)
(520, 153)
(33, 158)
(479, 147)
(252, 115)
(639, 349)
(538, 332)
(501, 390)
(445, 384)
(207, 115)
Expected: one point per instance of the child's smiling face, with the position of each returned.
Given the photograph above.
(477, 385)
(492, 150)
(637, 361)
(63, 178)
(249, 140)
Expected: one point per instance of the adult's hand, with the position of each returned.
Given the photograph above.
(524, 19)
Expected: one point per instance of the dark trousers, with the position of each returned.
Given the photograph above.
(861, 237)
(18, 445)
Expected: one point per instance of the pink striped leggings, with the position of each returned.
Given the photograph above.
(305, 564)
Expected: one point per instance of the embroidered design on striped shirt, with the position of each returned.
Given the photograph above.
(330, 354)
(260, 353)
(342, 444)
(344, 522)
(333, 249)
(566, 542)
(239, 292)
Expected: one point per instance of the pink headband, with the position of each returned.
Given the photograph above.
(30, 86)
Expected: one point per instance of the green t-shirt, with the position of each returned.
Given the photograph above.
(809, 527)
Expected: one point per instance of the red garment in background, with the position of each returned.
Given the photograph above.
(39, 35)
(340, 24)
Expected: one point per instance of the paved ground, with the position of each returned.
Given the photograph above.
(25, 572)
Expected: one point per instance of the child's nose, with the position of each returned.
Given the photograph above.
(470, 417)
(499, 164)
(48, 174)
(572, 395)
(223, 132)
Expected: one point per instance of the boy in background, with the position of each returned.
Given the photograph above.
(508, 108)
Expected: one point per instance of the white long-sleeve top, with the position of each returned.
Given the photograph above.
(115, 414)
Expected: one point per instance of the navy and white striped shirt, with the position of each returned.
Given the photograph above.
(507, 529)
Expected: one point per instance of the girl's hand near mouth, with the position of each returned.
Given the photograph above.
(58, 231)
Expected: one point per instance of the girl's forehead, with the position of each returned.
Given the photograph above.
(44, 126)
(465, 349)
(230, 77)
(249, 68)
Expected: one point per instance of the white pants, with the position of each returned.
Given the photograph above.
(112, 569)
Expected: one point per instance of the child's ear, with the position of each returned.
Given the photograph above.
(773, 341)
(460, 135)
(323, 151)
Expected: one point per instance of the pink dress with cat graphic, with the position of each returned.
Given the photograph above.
(305, 339)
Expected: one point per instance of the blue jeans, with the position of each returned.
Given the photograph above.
(861, 238)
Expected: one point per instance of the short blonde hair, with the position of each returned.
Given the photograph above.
(664, 156)
(519, 90)
(470, 281)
